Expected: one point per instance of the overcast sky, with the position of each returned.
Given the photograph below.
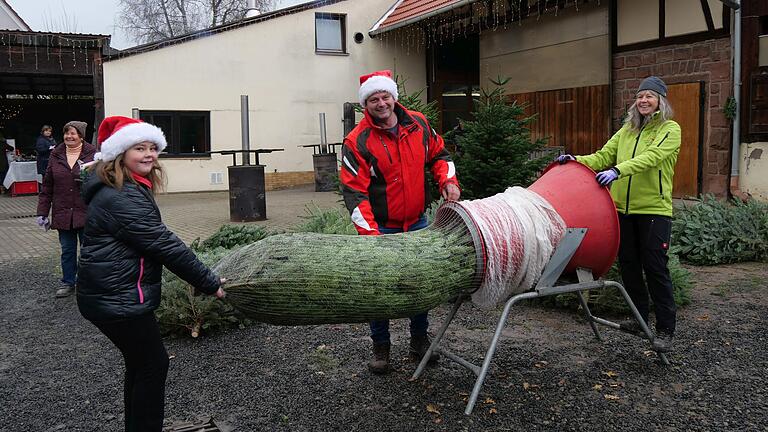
(82, 16)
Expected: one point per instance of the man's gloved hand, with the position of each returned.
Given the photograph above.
(43, 222)
(606, 177)
(564, 158)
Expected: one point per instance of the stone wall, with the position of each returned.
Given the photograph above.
(708, 61)
(285, 180)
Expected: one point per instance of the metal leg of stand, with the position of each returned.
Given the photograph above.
(637, 316)
(585, 275)
(434, 346)
(492, 348)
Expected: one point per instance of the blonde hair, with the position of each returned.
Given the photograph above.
(635, 120)
(114, 173)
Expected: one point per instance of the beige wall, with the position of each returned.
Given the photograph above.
(568, 50)
(753, 170)
(638, 21)
(274, 62)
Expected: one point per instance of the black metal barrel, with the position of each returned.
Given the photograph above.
(247, 196)
(326, 172)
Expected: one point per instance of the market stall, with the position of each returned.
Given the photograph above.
(22, 178)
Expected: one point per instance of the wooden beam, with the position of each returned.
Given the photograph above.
(707, 15)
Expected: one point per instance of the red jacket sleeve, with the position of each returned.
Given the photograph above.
(355, 179)
(440, 162)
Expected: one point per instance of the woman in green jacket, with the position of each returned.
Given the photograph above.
(638, 163)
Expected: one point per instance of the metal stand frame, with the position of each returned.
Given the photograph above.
(545, 287)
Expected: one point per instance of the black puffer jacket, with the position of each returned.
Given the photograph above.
(125, 247)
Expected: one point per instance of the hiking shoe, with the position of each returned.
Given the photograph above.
(662, 342)
(65, 291)
(380, 362)
(632, 326)
(419, 347)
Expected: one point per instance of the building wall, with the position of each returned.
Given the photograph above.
(753, 170)
(638, 21)
(8, 21)
(274, 62)
(552, 52)
(708, 61)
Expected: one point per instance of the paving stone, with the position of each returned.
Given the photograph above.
(189, 215)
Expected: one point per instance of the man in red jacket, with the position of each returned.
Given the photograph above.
(384, 185)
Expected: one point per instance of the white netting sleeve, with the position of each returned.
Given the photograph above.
(520, 231)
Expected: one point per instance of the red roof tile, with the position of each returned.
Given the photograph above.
(410, 9)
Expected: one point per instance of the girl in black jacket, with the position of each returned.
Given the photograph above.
(43, 146)
(124, 250)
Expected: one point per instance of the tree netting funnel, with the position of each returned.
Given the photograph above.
(582, 203)
(491, 248)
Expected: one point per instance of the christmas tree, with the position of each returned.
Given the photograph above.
(494, 149)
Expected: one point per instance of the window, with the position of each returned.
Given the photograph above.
(330, 33)
(188, 133)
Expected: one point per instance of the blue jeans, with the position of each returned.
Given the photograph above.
(419, 323)
(69, 242)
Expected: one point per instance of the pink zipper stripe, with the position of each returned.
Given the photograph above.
(138, 284)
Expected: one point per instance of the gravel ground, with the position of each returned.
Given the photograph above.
(57, 372)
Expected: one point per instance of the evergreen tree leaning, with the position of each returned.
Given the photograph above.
(494, 150)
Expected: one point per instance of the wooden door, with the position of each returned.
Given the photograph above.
(686, 102)
(573, 119)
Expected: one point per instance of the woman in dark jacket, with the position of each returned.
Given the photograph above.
(60, 196)
(121, 264)
(43, 146)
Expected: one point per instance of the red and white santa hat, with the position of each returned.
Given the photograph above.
(375, 82)
(117, 134)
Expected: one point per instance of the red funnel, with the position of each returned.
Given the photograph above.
(582, 203)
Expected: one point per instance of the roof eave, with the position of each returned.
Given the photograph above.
(377, 30)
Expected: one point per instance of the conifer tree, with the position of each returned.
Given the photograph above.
(494, 148)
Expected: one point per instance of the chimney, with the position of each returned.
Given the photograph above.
(251, 10)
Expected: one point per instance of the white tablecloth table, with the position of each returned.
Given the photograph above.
(20, 172)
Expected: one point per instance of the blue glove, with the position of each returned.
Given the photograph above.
(43, 222)
(606, 177)
(564, 158)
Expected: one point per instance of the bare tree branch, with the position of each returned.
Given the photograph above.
(61, 23)
(152, 20)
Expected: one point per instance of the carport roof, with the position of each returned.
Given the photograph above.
(46, 84)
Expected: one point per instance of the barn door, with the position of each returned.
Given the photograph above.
(687, 103)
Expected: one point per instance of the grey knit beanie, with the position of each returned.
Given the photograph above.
(78, 125)
(653, 83)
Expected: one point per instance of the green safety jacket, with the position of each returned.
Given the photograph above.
(646, 164)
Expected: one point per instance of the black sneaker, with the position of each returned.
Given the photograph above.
(662, 342)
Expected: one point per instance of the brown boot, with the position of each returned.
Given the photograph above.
(419, 347)
(380, 362)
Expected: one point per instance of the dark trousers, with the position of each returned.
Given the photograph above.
(146, 367)
(419, 323)
(69, 240)
(643, 249)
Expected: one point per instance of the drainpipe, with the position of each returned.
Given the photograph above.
(245, 133)
(736, 139)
